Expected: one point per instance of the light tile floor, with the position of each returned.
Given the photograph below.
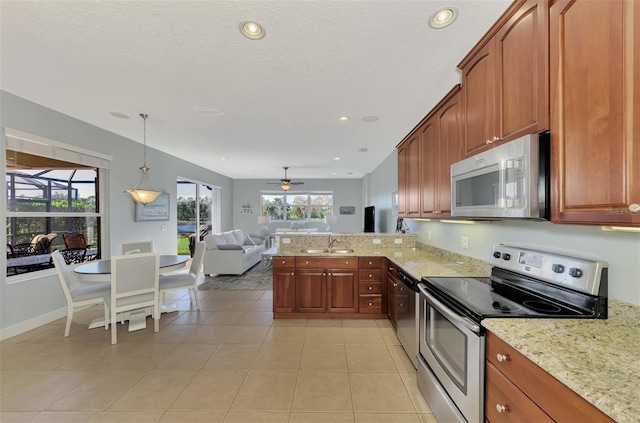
(230, 362)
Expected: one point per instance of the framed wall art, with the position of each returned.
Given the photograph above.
(153, 212)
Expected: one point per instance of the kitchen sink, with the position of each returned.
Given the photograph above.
(328, 251)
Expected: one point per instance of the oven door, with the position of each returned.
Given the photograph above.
(453, 348)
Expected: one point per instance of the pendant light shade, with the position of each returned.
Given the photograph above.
(144, 192)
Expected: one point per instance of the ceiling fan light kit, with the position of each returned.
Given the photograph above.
(285, 184)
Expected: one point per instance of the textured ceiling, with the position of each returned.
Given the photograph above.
(281, 96)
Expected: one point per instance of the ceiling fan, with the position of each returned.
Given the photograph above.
(285, 184)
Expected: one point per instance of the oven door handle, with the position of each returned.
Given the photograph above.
(446, 312)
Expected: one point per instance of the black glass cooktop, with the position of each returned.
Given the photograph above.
(496, 296)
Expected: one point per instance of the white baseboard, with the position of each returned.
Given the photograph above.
(27, 325)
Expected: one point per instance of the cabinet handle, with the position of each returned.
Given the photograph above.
(306, 262)
(501, 408)
(291, 273)
(634, 208)
(283, 261)
(488, 142)
(370, 276)
(370, 304)
(370, 263)
(391, 269)
(370, 288)
(324, 274)
(502, 357)
(346, 262)
(495, 139)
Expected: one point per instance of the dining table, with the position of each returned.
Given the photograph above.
(100, 271)
(29, 263)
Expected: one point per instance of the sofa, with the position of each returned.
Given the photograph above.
(231, 252)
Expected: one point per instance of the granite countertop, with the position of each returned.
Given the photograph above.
(416, 261)
(598, 359)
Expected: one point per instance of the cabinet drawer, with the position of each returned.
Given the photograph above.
(370, 287)
(539, 385)
(370, 303)
(370, 275)
(506, 403)
(283, 261)
(326, 262)
(370, 262)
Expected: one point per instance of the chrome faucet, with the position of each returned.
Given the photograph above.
(332, 241)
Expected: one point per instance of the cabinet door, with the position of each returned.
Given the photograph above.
(403, 189)
(311, 291)
(284, 284)
(414, 176)
(342, 291)
(430, 160)
(392, 297)
(450, 141)
(595, 138)
(478, 93)
(522, 71)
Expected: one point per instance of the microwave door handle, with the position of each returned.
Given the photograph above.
(446, 312)
(501, 202)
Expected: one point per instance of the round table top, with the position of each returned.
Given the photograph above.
(103, 267)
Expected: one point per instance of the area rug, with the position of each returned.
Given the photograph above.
(253, 278)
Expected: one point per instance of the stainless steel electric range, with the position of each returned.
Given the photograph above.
(524, 283)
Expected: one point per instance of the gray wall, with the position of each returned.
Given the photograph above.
(383, 181)
(35, 296)
(346, 192)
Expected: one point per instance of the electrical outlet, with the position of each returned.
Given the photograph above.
(163, 227)
(429, 235)
(286, 240)
(398, 240)
(464, 242)
(377, 241)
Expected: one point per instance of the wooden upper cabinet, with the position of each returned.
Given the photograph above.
(522, 71)
(403, 153)
(505, 79)
(409, 176)
(478, 87)
(441, 137)
(595, 111)
(429, 138)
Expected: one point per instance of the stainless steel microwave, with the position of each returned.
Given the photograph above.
(507, 181)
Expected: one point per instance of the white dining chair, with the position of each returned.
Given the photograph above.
(77, 293)
(137, 247)
(134, 285)
(185, 280)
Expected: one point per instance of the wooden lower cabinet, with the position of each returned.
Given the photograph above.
(342, 291)
(326, 287)
(311, 291)
(284, 285)
(517, 390)
(392, 296)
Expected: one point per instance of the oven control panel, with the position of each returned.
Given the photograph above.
(576, 273)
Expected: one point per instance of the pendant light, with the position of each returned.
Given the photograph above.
(144, 192)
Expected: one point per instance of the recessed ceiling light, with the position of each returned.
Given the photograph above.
(252, 30)
(209, 111)
(223, 158)
(344, 118)
(119, 115)
(334, 173)
(443, 18)
(336, 158)
(363, 150)
(370, 119)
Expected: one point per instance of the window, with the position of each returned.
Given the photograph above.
(51, 189)
(297, 205)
